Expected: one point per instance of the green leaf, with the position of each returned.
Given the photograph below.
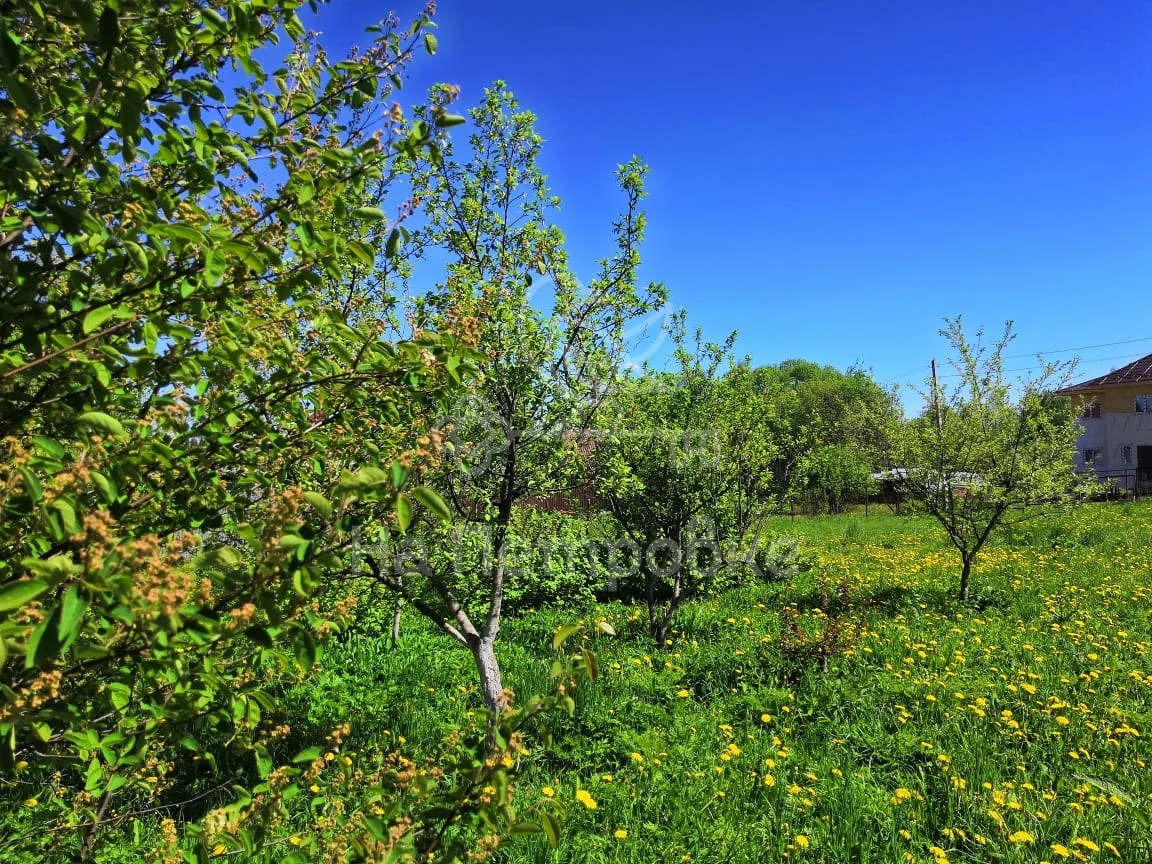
(222, 556)
(433, 502)
(591, 664)
(447, 121)
(606, 628)
(72, 610)
(304, 645)
(102, 422)
(138, 255)
(109, 29)
(393, 244)
(551, 828)
(56, 568)
(95, 318)
(44, 642)
(368, 214)
(563, 634)
(525, 828)
(362, 252)
(403, 512)
(309, 755)
(430, 43)
(323, 505)
(18, 593)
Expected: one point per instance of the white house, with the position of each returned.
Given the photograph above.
(1116, 441)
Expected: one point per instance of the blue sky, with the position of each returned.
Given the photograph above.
(833, 177)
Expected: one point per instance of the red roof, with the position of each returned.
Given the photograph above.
(1134, 373)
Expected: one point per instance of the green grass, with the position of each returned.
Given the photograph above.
(945, 731)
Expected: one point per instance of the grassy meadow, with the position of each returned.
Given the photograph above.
(1013, 728)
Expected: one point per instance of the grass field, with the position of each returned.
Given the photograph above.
(1012, 728)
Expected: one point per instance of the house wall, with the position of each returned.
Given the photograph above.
(1118, 425)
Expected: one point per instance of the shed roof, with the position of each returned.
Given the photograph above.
(1134, 373)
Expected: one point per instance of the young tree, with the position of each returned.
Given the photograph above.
(832, 473)
(546, 359)
(682, 459)
(987, 451)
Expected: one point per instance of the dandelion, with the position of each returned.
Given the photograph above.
(1021, 837)
(765, 718)
(683, 694)
(1061, 850)
(620, 834)
(30, 802)
(636, 757)
(294, 840)
(801, 841)
(769, 780)
(548, 792)
(1086, 844)
(586, 799)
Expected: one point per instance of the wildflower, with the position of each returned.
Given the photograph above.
(621, 834)
(636, 757)
(548, 792)
(1061, 850)
(1086, 844)
(769, 780)
(683, 694)
(801, 841)
(586, 799)
(1021, 837)
(765, 718)
(294, 840)
(30, 802)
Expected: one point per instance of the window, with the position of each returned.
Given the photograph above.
(1091, 454)
(1091, 409)
(1126, 454)
(1143, 405)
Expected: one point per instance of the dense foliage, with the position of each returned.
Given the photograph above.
(284, 365)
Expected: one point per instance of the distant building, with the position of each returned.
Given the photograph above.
(1116, 419)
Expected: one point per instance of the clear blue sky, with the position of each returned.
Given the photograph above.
(832, 178)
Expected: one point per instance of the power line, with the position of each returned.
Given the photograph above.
(1081, 348)
(1082, 363)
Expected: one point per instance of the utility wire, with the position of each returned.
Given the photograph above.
(1081, 348)
(1082, 363)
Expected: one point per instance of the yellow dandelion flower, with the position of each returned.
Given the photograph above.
(683, 694)
(769, 780)
(548, 792)
(1086, 844)
(620, 834)
(801, 841)
(30, 802)
(586, 799)
(1021, 837)
(1061, 850)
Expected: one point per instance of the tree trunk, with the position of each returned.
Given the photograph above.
(660, 632)
(964, 578)
(396, 623)
(491, 686)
